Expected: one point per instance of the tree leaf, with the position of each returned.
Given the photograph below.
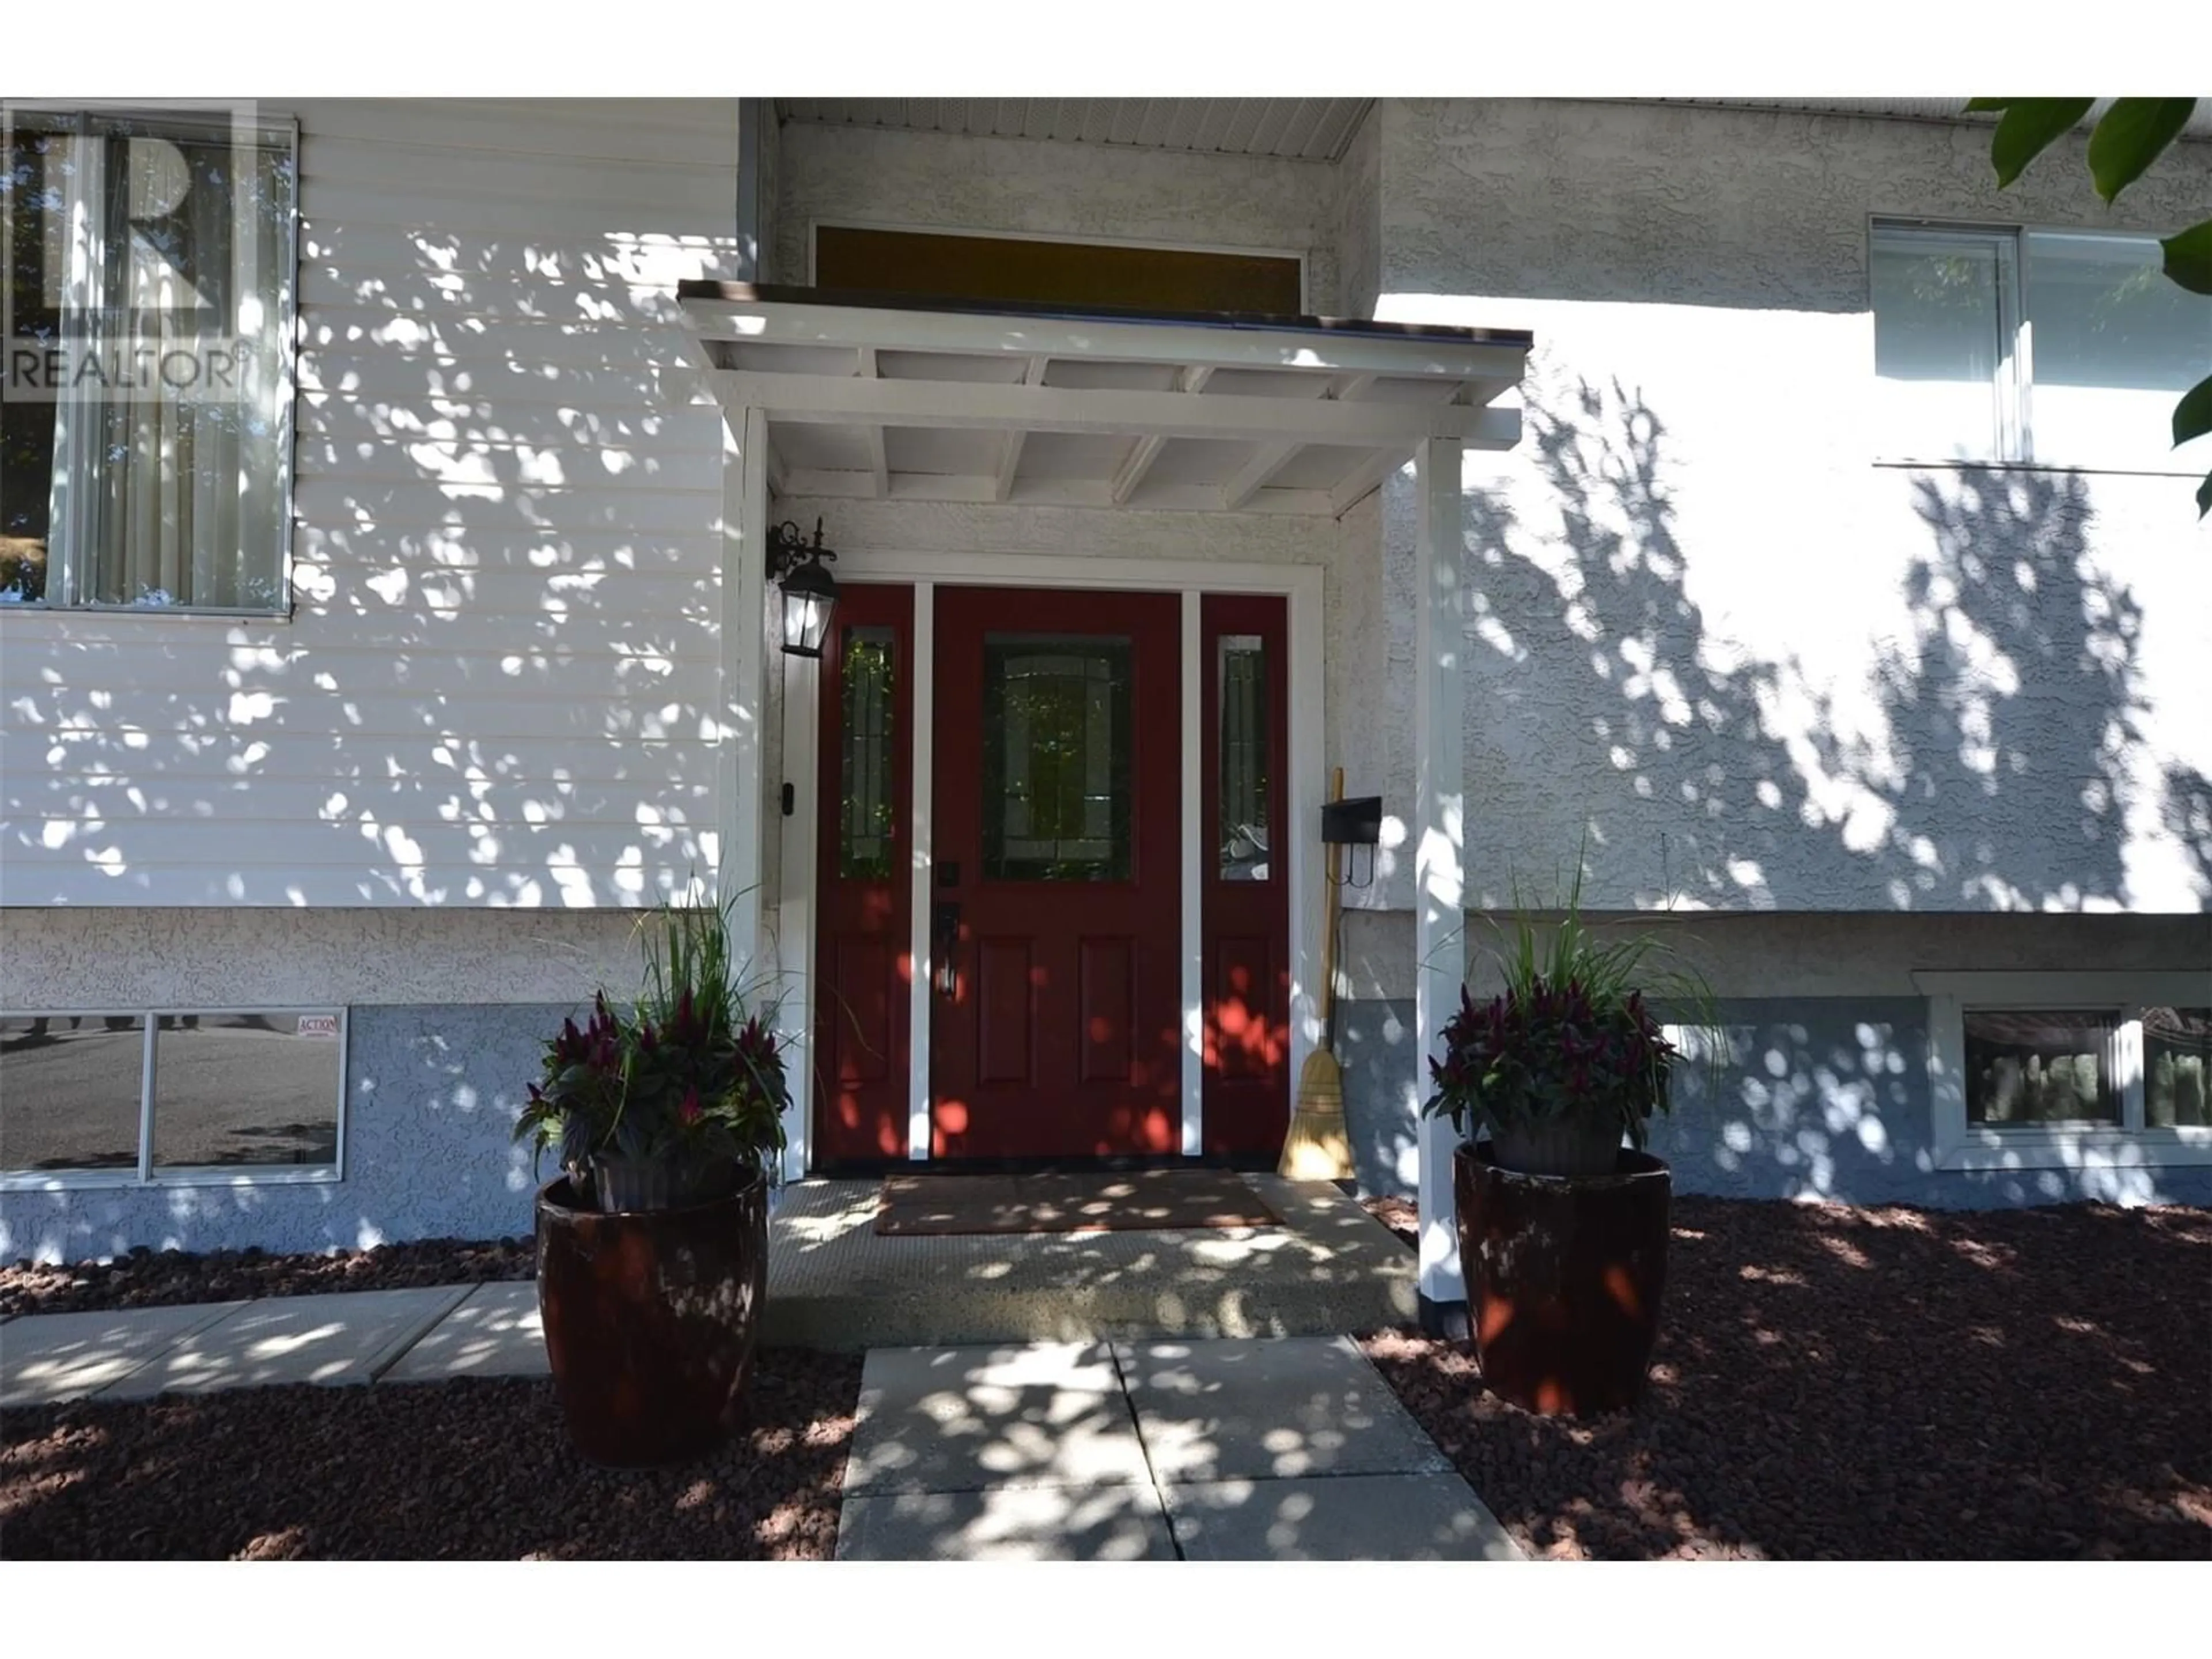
(2205, 496)
(2192, 415)
(2189, 257)
(2130, 137)
(1989, 106)
(2030, 126)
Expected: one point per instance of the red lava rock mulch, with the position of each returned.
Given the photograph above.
(1884, 1384)
(148, 1278)
(474, 1469)
(1398, 1214)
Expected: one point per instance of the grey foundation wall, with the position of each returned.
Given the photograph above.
(1818, 1097)
(432, 1093)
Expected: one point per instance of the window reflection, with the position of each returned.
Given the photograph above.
(69, 1088)
(246, 1089)
(2040, 1066)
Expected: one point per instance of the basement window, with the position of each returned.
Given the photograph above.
(175, 1098)
(2035, 1071)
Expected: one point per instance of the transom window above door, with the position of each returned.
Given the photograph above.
(939, 265)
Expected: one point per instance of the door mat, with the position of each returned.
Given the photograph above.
(920, 1206)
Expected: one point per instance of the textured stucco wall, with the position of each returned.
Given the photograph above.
(432, 1093)
(1755, 669)
(1820, 1098)
(1359, 220)
(1031, 187)
(1773, 954)
(58, 959)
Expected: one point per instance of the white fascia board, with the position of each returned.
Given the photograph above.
(1223, 346)
(830, 400)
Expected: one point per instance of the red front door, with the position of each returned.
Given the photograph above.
(1054, 897)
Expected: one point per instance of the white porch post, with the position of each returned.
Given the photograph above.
(1439, 835)
(742, 620)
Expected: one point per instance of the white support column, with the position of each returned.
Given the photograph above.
(1439, 835)
(743, 629)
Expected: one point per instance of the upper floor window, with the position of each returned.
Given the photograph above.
(146, 302)
(2059, 348)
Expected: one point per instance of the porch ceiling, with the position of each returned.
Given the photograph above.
(948, 402)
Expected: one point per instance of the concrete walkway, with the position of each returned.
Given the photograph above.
(1230, 1448)
(1289, 1448)
(346, 1337)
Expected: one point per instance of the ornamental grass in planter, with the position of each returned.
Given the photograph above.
(666, 1117)
(1563, 1228)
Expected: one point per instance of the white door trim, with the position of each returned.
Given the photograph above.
(1299, 584)
(1193, 881)
(923, 763)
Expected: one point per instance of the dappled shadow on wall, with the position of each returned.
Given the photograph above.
(500, 685)
(1986, 751)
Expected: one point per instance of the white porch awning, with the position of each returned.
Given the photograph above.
(934, 401)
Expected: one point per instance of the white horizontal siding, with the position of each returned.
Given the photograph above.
(499, 684)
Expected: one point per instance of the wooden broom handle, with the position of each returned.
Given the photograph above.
(1328, 926)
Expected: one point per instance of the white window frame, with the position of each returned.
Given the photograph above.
(148, 1173)
(68, 527)
(1962, 1146)
(2014, 390)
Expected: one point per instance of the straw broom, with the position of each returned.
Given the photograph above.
(1317, 1148)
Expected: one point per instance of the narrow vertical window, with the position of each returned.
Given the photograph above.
(865, 821)
(1243, 718)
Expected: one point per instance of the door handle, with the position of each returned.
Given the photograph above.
(944, 946)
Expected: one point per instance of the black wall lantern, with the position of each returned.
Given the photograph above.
(1354, 824)
(810, 592)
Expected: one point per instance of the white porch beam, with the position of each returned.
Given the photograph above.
(1052, 492)
(1438, 834)
(879, 464)
(1010, 449)
(1147, 450)
(823, 400)
(793, 322)
(1261, 470)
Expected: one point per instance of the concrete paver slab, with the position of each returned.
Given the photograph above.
(45, 1358)
(339, 1338)
(1006, 1523)
(1345, 1518)
(1261, 1408)
(958, 1420)
(496, 1332)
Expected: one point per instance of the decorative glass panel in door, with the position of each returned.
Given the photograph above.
(1056, 776)
(865, 772)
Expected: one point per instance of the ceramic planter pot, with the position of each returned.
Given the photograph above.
(1564, 1278)
(651, 1320)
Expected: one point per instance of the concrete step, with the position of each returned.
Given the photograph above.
(834, 1283)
